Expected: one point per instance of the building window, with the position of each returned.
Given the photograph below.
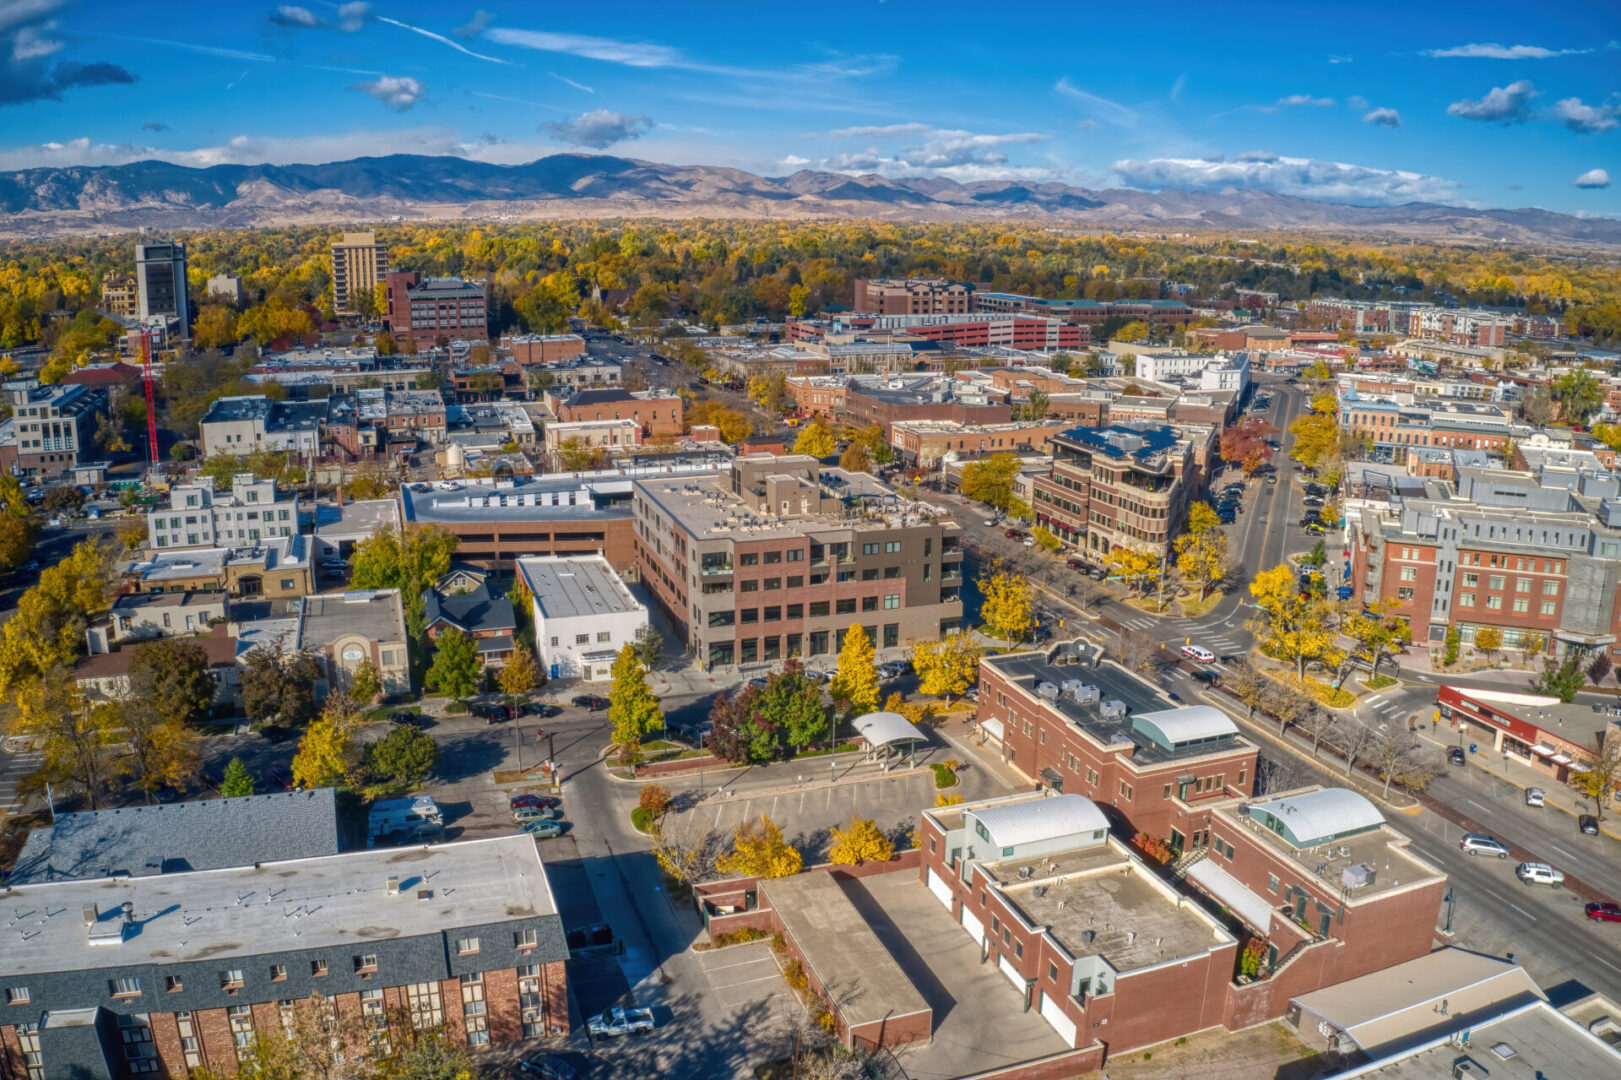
(1272, 883)
(17, 995)
(892, 602)
(171, 984)
(531, 1007)
(1494, 603)
(189, 1047)
(892, 547)
(1550, 588)
(127, 986)
(1404, 592)
(1409, 573)
(749, 559)
(1521, 604)
(139, 1053)
(474, 1019)
(423, 1003)
(317, 969)
(1466, 599)
(1549, 607)
(582, 639)
(1496, 579)
(604, 637)
(241, 1018)
(466, 946)
(366, 962)
(525, 939)
(1471, 580)
(869, 549)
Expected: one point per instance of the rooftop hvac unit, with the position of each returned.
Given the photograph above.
(1047, 690)
(1113, 709)
(1358, 875)
(1081, 693)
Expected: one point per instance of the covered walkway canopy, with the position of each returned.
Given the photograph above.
(885, 729)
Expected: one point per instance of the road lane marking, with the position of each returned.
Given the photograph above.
(1524, 912)
(1562, 851)
(1605, 962)
(1472, 802)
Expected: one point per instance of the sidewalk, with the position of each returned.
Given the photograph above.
(1511, 770)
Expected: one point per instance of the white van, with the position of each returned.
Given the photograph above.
(1539, 873)
(1482, 844)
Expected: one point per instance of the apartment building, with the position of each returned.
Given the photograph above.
(1088, 312)
(1034, 332)
(225, 288)
(425, 310)
(913, 296)
(198, 516)
(1485, 329)
(50, 427)
(777, 557)
(160, 277)
(241, 425)
(1394, 428)
(1534, 555)
(1122, 485)
(499, 522)
(1201, 371)
(583, 615)
(149, 969)
(931, 397)
(358, 262)
(120, 295)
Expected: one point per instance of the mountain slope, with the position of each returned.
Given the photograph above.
(162, 195)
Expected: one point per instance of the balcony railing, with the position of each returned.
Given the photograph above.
(723, 568)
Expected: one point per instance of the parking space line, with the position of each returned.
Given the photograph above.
(741, 963)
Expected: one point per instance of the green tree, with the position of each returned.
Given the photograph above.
(633, 708)
(365, 684)
(1579, 395)
(456, 665)
(816, 440)
(792, 703)
(990, 481)
(1599, 773)
(278, 683)
(411, 561)
(857, 678)
(405, 756)
(238, 780)
(649, 647)
(1563, 680)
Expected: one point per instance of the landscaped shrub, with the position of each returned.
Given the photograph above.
(641, 819)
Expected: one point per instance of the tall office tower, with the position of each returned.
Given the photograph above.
(160, 273)
(358, 262)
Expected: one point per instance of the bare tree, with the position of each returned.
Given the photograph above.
(1138, 651)
(1319, 724)
(1287, 704)
(1397, 756)
(1356, 739)
(1282, 773)
(1601, 772)
(685, 851)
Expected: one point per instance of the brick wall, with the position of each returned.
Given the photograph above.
(896, 1031)
(11, 1054)
(1058, 1067)
(554, 992)
(214, 1032)
(501, 1002)
(166, 1040)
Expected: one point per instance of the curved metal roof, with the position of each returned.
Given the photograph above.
(1314, 816)
(1033, 820)
(1189, 724)
(883, 728)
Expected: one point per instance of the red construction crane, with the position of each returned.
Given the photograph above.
(151, 409)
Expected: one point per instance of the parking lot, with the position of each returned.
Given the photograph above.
(744, 975)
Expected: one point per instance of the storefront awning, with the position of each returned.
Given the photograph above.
(1543, 750)
(1562, 759)
(993, 728)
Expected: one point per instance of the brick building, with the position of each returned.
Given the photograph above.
(1122, 486)
(120, 294)
(877, 402)
(1148, 770)
(544, 516)
(1393, 428)
(818, 395)
(423, 310)
(912, 296)
(1014, 331)
(51, 428)
(1485, 329)
(925, 442)
(658, 412)
(528, 349)
(778, 556)
(152, 972)
(1555, 738)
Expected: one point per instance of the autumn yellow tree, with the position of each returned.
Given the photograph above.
(1201, 552)
(856, 680)
(816, 440)
(1007, 603)
(758, 850)
(949, 666)
(1132, 331)
(1293, 628)
(1137, 567)
(858, 842)
(1316, 437)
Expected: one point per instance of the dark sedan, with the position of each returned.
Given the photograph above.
(591, 701)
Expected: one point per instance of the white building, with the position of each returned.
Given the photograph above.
(1203, 371)
(199, 516)
(583, 615)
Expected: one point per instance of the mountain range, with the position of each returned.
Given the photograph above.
(161, 195)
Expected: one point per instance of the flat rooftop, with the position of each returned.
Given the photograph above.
(1109, 907)
(1532, 1042)
(706, 507)
(1031, 669)
(852, 964)
(290, 906)
(135, 601)
(578, 587)
(542, 499)
(359, 519)
(376, 613)
(1384, 849)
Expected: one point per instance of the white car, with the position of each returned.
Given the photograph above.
(1534, 796)
(1539, 873)
(617, 1021)
(1199, 653)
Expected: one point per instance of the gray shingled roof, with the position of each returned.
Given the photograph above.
(207, 835)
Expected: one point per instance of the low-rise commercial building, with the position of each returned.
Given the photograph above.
(778, 556)
(277, 568)
(658, 412)
(500, 521)
(1122, 486)
(1555, 738)
(242, 425)
(143, 615)
(50, 427)
(925, 442)
(345, 630)
(542, 349)
(583, 615)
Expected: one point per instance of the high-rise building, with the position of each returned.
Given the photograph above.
(160, 274)
(358, 262)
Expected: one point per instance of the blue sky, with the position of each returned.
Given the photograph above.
(1373, 103)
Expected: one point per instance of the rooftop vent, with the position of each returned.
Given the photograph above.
(393, 886)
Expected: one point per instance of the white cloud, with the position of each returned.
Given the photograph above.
(1383, 117)
(1112, 111)
(794, 161)
(1592, 178)
(458, 46)
(1341, 59)
(934, 150)
(1492, 51)
(879, 132)
(476, 25)
(351, 17)
(1330, 181)
(1505, 105)
(256, 150)
(1357, 101)
(598, 129)
(1305, 99)
(397, 92)
(1588, 119)
(629, 53)
(570, 82)
(296, 18)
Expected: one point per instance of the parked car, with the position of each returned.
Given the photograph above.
(1534, 796)
(535, 708)
(525, 814)
(544, 1064)
(1588, 824)
(335, 564)
(616, 1022)
(1604, 911)
(1455, 756)
(543, 828)
(1014, 534)
(493, 714)
(1539, 873)
(1482, 844)
(539, 802)
(1199, 653)
(404, 717)
(1209, 677)
(1272, 479)
(759, 680)
(591, 701)
(275, 733)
